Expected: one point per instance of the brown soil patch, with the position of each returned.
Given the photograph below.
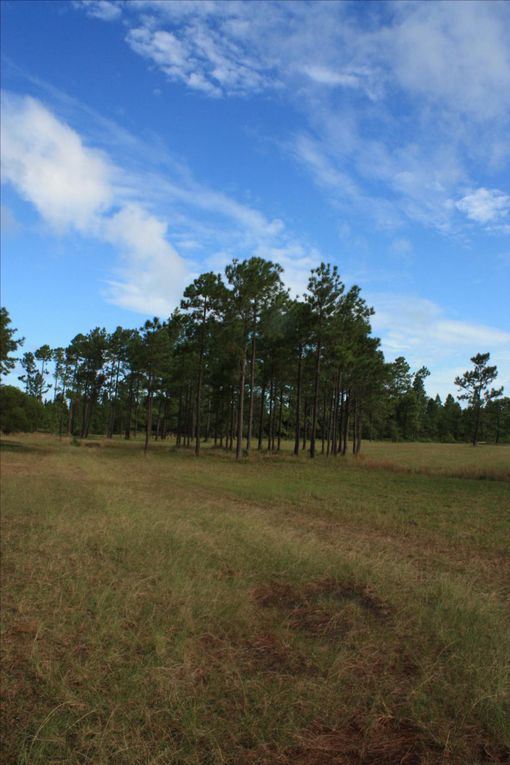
(263, 652)
(320, 607)
(386, 742)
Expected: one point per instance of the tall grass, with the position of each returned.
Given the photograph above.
(181, 611)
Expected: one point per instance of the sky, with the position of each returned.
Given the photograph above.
(145, 142)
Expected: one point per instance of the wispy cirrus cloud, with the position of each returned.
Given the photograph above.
(446, 66)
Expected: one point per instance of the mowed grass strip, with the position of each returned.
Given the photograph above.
(173, 610)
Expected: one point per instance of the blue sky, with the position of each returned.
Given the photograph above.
(145, 142)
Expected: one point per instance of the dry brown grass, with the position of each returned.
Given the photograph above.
(168, 610)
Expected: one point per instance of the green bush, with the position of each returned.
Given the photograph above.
(18, 411)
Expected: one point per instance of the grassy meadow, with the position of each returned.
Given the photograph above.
(172, 611)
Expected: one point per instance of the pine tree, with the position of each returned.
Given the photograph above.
(475, 384)
(8, 343)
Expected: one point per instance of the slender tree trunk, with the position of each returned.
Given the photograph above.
(61, 418)
(323, 423)
(280, 416)
(148, 423)
(189, 416)
(298, 405)
(270, 417)
(273, 420)
(305, 424)
(208, 421)
(70, 417)
(345, 424)
(231, 424)
(341, 414)
(334, 448)
(477, 425)
(178, 435)
(252, 394)
(198, 407)
(331, 419)
(193, 422)
(240, 404)
(137, 404)
(261, 417)
(159, 419)
(113, 405)
(315, 399)
(199, 385)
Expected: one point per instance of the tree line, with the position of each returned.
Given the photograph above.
(242, 365)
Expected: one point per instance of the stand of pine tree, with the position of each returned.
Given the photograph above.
(244, 364)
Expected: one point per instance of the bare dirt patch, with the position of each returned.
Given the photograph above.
(263, 652)
(320, 607)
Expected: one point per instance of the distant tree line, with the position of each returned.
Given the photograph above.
(242, 366)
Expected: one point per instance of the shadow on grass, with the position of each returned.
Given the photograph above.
(16, 446)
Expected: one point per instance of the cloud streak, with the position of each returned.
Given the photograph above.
(446, 66)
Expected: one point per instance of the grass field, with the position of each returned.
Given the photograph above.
(173, 611)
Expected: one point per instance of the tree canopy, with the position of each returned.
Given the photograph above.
(242, 364)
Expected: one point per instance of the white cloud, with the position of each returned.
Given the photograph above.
(153, 273)
(325, 76)
(100, 9)
(146, 216)
(394, 99)
(485, 206)
(73, 188)
(48, 165)
(457, 53)
(420, 330)
(200, 57)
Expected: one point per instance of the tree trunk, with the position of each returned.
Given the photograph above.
(305, 423)
(280, 415)
(270, 419)
(261, 417)
(323, 423)
(315, 399)
(137, 404)
(477, 425)
(199, 385)
(345, 424)
(208, 421)
(148, 422)
(240, 404)
(298, 405)
(178, 435)
(252, 395)
(231, 424)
